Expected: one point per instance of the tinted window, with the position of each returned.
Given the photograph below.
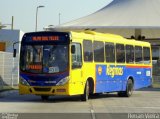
(120, 53)
(110, 52)
(98, 51)
(129, 54)
(146, 54)
(138, 54)
(87, 50)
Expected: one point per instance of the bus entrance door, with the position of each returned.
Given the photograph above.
(76, 72)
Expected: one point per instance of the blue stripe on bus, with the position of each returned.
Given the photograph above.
(44, 80)
(110, 78)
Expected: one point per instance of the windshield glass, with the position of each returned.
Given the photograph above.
(44, 58)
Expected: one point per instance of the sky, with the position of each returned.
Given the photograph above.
(24, 12)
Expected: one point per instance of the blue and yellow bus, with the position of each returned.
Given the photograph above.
(82, 63)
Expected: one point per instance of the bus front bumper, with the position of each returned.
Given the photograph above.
(37, 90)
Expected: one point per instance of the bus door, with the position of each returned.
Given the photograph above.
(76, 65)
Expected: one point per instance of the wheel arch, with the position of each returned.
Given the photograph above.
(131, 77)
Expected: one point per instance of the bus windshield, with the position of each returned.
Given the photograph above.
(46, 59)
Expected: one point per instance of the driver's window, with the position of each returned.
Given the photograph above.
(77, 56)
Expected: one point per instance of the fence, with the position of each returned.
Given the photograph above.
(9, 74)
(156, 74)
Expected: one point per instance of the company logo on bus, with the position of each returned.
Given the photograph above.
(114, 71)
(99, 70)
(109, 70)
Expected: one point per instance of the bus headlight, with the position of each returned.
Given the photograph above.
(63, 81)
(23, 81)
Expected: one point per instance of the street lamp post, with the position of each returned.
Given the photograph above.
(37, 16)
(59, 18)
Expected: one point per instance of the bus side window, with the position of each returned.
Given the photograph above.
(98, 51)
(138, 55)
(129, 54)
(147, 55)
(120, 53)
(77, 56)
(110, 52)
(87, 51)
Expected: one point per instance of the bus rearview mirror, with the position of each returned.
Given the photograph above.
(14, 52)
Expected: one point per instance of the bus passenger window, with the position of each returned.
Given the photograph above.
(138, 55)
(147, 55)
(110, 52)
(87, 51)
(129, 54)
(98, 51)
(120, 53)
(77, 56)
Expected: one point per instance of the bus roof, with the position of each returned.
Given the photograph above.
(105, 37)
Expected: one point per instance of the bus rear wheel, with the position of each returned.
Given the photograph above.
(129, 89)
(85, 95)
(44, 97)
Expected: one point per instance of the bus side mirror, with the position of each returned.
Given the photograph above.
(73, 49)
(14, 52)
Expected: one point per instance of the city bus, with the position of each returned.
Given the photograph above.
(82, 63)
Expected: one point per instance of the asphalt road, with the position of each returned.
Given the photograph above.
(142, 101)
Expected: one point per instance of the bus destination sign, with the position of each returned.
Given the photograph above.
(45, 38)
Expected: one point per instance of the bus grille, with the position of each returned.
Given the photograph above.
(42, 89)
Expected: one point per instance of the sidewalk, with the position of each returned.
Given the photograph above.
(7, 91)
(7, 88)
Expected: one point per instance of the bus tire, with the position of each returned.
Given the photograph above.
(129, 89)
(85, 95)
(44, 97)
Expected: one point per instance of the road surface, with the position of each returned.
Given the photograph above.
(143, 101)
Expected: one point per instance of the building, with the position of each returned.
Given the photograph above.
(8, 37)
(9, 66)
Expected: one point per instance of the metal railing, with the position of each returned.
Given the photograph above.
(156, 74)
(9, 73)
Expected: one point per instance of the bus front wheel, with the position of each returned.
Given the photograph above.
(85, 95)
